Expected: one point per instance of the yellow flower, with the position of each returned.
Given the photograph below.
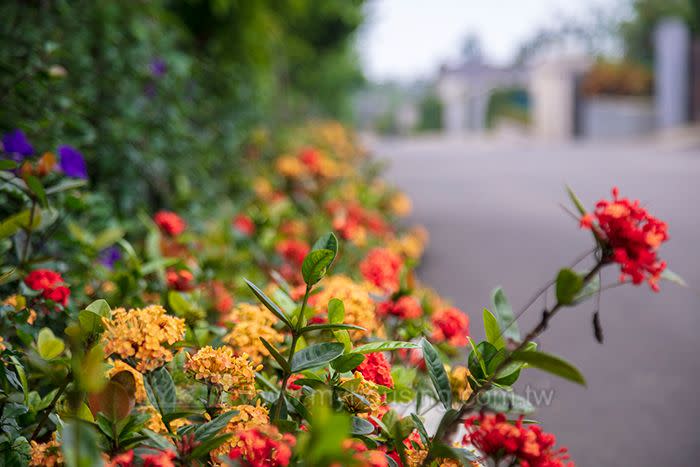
(248, 417)
(367, 389)
(141, 334)
(359, 306)
(290, 166)
(459, 381)
(46, 454)
(400, 204)
(412, 244)
(155, 423)
(235, 375)
(252, 322)
(118, 366)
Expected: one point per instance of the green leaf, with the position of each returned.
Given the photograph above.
(550, 363)
(108, 237)
(330, 327)
(504, 314)
(211, 428)
(90, 318)
(500, 400)
(158, 441)
(65, 185)
(360, 426)
(493, 330)
(336, 311)
(22, 377)
(384, 346)
(48, 345)
(591, 288)
(276, 355)
(420, 427)
(437, 373)
(37, 188)
(327, 242)
(347, 362)
(269, 304)
(160, 390)
(479, 359)
(7, 164)
(80, 445)
(574, 199)
(671, 276)
(569, 284)
(209, 445)
(316, 355)
(178, 303)
(315, 265)
(10, 225)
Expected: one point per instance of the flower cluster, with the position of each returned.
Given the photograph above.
(169, 223)
(633, 236)
(359, 306)
(247, 417)
(142, 334)
(244, 225)
(452, 326)
(179, 279)
(251, 322)
(405, 307)
(50, 283)
(234, 374)
(353, 222)
(46, 454)
(382, 268)
(499, 439)
(263, 447)
(377, 369)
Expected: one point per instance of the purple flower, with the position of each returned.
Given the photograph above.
(109, 256)
(72, 162)
(158, 67)
(17, 145)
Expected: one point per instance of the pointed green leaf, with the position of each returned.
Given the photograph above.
(384, 346)
(550, 363)
(276, 355)
(269, 304)
(37, 188)
(504, 314)
(330, 327)
(316, 355)
(336, 311)
(569, 284)
(493, 330)
(48, 345)
(347, 362)
(315, 265)
(160, 390)
(438, 375)
(574, 199)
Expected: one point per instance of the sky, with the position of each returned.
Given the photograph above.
(409, 39)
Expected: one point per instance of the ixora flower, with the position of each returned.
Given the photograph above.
(359, 306)
(47, 454)
(16, 144)
(416, 452)
(263, 447)
(50, 283)
(72, 162)
(451, 325)
(180, 280)
(250, 323)
(169, 223)
(501, 440)
(234, 374)
(377, 369)
(382, 268)
(633, 236)
(293, 250)
(142, 334)
(363, 456)
(406, 307)
(247, 417)
(244, 225)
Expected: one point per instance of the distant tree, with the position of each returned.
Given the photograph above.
(430, 113)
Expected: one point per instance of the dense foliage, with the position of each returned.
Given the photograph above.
(247, 334)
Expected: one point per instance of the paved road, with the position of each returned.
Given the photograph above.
(493, 213)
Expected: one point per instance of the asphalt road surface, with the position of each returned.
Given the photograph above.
(494, 215)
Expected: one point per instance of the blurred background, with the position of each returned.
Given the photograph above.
(482, 111)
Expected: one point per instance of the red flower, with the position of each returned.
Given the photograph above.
(632, 235)
(406, 307)
(311, 158)
(451, 325)
(294, 251)
(50, 283)
(495, 437)
(290, 383)
(382, 268)
(264, 447)
(363, 456)
(244, 225)
(125, 459)
(376, 368)
(169, 223)
(161, 459)
(179, 280)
